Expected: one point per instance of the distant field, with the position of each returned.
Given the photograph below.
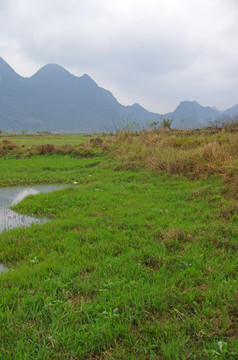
(25, 145)
(35, 139)
(139, 259)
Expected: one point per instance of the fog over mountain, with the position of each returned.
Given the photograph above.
(55, 100)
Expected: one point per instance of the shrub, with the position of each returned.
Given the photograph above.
(45, 149)
(161, 124)
(166, 123)
(7, 147)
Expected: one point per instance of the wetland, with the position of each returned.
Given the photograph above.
(138, 260)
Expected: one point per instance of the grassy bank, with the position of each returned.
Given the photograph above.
(194, 154)
(137, 262)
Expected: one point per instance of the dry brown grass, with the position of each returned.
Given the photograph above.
(7, 147)
(83, 150)
(45, 149)
(194, 154)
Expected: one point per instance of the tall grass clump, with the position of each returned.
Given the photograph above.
(190, 153)
(7, 147)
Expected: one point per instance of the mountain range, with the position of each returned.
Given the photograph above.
(55, 100)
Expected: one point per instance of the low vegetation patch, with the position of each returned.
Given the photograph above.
(192, 154)
(7, 147)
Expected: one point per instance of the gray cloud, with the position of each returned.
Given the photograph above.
(153, 52)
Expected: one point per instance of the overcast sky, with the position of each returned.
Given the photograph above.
(154, 52)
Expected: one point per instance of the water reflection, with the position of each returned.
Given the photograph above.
(9, 219)
(2, 268)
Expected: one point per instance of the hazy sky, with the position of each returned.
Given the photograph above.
(155, 52)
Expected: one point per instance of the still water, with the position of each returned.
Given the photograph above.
(9, 219)
(10, 196)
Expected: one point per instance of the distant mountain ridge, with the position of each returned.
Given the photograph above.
(53, 99)
(190, 114)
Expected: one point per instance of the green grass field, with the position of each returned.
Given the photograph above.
(28, 140)
(133, 264)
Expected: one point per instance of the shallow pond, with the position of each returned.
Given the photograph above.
(10, 196)
(10, 219)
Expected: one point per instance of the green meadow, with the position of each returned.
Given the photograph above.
(139, 257)
(27, 140)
